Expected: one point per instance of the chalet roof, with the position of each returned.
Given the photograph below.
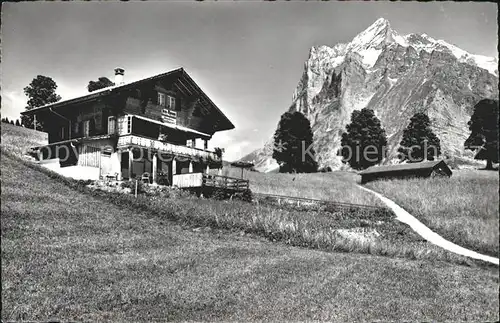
(242, 164)
(180, 73)
(405, 167)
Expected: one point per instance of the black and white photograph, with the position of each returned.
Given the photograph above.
(272, 161)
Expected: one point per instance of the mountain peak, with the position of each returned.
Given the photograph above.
(373, 35)
(395, 76)
(382, 22)
(380, 25)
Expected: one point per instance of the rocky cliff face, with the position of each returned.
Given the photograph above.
(396, 76)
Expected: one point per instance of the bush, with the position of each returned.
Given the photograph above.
(141, 188)
(83, 183)
(219, 194)
(244, 196)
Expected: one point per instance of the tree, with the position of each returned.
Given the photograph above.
(41, 91)
(12, 122)
(364, 143)
(483, 125)
(419, 142)
(101, 83)
(293, 144)
(17, 122)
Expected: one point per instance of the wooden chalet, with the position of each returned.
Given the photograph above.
(410, 170)
(157, 126)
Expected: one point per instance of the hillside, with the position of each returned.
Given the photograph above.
(69, 256)
(463, 208)
(396, 76)
(20, 139)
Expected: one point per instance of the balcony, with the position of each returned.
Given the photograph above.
(133, 140)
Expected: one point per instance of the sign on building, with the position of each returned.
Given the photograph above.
(169, 116)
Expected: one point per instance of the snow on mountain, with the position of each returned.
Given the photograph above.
(488, 63)
(396, 76)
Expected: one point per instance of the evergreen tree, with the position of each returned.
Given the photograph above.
(101, 83)
(41, 91)
(17, 122)
(12, 122)
(293, 144)
(364, 143)
(419, 142)
(483, 125)
(7, 120)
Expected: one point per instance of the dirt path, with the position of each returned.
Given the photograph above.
(428, 234)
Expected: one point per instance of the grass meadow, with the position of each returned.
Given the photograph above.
(19, 139)
(463, 208)
(71, 254)
(339, 186)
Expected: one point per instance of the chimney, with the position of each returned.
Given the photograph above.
(119, 72)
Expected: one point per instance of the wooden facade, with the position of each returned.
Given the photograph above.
(164, 115)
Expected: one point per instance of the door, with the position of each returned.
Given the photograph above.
(106, 166)
(164, 172)
(124, 164)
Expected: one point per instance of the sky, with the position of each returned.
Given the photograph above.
(247, 56)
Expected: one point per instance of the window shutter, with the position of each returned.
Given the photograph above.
(92, 127)
(178, 104)
(76, 127)
(111, 125)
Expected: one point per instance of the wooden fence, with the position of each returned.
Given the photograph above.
(225, 182)
(302, 201)
(206, 180)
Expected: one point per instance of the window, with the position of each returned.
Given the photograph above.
(111, 125)
(161, 99)
(86, 128)
(76, 127)
(63, 132)
(167, 101)
(170, 102)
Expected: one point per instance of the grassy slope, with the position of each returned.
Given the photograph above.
(463, 208)
(19, 139)
(67, 255)
(311, 229)
(337, 186)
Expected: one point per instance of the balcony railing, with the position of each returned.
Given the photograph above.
(132, 140)
(187, 180)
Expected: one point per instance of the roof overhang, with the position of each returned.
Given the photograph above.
(173, 126)
(75, 140)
